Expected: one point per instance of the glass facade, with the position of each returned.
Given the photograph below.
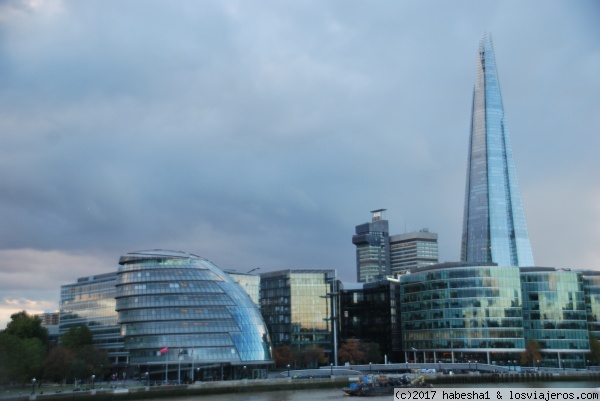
(591, 287)
(455, 313)
(412, 250)
(494, 228)
(372, 249)
(185, 305)
(91, 302)
(250, 283)
(296, 308)
(554, 314)
(370, 312)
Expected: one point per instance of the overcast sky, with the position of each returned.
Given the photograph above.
(260, 133)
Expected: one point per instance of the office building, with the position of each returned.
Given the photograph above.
(412, 250)
(372, 248)
(591, 289)
(454, 312)
(91, 302)
(494, 228)
(296, 307)
(554, 314)
(370, 312)
(185, 319)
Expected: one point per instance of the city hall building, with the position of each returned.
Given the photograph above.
(184, 319)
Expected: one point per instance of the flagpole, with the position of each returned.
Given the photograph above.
(166, 367)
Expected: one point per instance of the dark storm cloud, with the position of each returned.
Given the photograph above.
(259, 134)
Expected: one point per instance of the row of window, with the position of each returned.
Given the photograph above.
(457, 303)
(167, 288)
(167, 275)
(466, 344)
(159, 301)
(221, 326)
(174, 314)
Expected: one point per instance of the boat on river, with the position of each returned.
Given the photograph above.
(383, 385)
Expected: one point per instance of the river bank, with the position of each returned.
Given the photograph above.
(279, 384)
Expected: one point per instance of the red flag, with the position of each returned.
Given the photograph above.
(164, 350)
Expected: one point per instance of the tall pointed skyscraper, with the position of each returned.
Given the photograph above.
(494, 228)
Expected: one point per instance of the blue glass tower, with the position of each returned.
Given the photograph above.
(494, 228)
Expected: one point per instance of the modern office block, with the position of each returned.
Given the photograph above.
(591, 289)
(91, 302)
(370, 312)
(412, 250)
(372, 248)
(183, 317)
(554, 314)
(296, 307)
(455, 312)
(494, 228)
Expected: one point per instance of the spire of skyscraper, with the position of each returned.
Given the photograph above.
(494, 228)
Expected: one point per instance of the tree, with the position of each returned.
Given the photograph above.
(23, 325)
(532, 355)
(77, 337)
(373, 352)
(282, 356)
(594, 349)
(314, 356)
(352, 351)
(11, 362)
(58, 363)
(23, 347)
(87, 359)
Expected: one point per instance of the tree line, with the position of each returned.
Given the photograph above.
(353, 351)
(26, 352)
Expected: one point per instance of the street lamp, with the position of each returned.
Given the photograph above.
(33, 386)
(288, 367)
(331, 367)
(414, 353)
(245, 376)
(370, 367)
(93, 378)
(148, 379)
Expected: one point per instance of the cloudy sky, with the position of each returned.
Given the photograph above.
(259, 133)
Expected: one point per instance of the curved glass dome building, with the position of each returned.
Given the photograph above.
(185, 319)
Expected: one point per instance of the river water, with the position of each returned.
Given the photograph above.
(338, 394)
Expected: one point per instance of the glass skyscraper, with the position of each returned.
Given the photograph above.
(494, 228)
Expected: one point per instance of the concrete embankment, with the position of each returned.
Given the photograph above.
(200, 388)
(513, 378)
(246, 386)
